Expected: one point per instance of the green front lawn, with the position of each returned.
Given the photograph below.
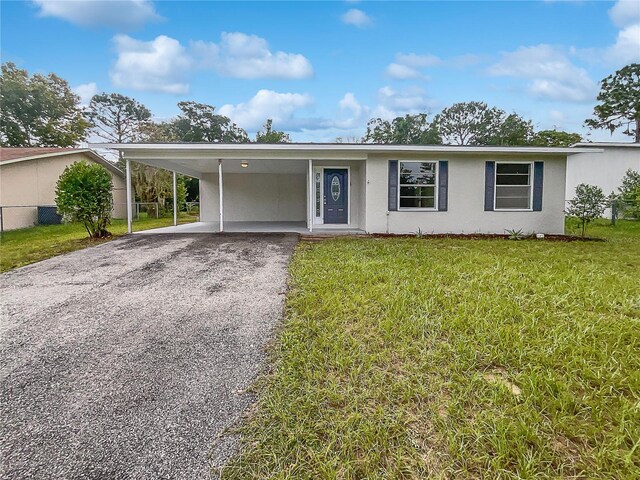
(28, 245)
(460, 359)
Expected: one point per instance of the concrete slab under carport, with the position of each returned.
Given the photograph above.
(252, 227)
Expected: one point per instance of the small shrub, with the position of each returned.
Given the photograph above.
(630, 195)
(588, 204)
(516, 234)
(83, 194)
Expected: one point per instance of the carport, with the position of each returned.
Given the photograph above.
(261, 187)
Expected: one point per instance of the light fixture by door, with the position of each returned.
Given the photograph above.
(244, 164)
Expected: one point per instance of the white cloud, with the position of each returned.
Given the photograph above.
(357, 18)
(627, 46)
(394, 103)
(160, 65)
(352, 114)
(407, 66)
(418, 61)
(625, 13)
(265, 104)
(549, 72)
(402, 72)
(120, 14)
(85, 91)
(240, 55)
(164, 64)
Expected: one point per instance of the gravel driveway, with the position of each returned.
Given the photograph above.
(129, 359)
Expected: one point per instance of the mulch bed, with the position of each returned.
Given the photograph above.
(461, 236)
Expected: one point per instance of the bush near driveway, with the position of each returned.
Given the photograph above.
(460, 359)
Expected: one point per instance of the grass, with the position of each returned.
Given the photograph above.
(456, 359)
(28, 245)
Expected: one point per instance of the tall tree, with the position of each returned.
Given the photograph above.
(269, 135)
(117, 118)
(38, 110)
(555, 138)
(619, 105)
(198, 122)
(407, 130)
(475, 123)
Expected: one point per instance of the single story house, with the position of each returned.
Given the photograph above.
(28, 178)
(606, 169)
(368, 188)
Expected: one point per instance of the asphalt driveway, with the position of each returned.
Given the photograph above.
(128, 360)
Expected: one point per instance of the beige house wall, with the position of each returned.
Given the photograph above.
(33, 182)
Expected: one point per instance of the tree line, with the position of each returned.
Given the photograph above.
(42, 110)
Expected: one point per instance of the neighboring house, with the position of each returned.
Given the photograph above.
(606, 169)
(369, 188)
(28, 179)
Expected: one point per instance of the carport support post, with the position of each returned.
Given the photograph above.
(129, 209)
(175, 200)
(310, 196)
(220, 192)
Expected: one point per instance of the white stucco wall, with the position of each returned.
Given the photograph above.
(465, 212)
(602, 169)
(254, 197)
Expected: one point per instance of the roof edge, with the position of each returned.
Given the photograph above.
(94, 156)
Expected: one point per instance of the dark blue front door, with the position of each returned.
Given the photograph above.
(336, 184)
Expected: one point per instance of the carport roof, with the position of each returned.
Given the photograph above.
(195, 159)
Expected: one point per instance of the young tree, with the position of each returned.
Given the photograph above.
(588, 204)
(619, 105)
(271, 136)
(555, 138)
(117, 118)
(198, 122)
(407, 130)
(38, 110)
(630, 194)
(83, 194)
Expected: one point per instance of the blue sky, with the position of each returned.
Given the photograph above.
(322, 69)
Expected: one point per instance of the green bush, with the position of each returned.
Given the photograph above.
(588, 204)
(630, 194)
(83, 194)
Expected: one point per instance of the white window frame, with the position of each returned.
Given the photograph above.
(435, 187)
(530, 185)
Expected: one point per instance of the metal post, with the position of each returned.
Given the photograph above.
(1, 221)
(220, 192)
(310, 197)
(129, 210)
(175, 200)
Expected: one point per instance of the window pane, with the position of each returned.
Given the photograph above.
(512, 168)
(513, 197)
(427, 179)
(417, 191)
(512, 202)
(417, 202)
(516, 179)
(418, 173)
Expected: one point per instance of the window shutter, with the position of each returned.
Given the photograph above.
(443, 185)
(538, 177)
(393, 185)
(489, 185)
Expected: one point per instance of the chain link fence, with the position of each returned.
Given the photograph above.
(13, 217)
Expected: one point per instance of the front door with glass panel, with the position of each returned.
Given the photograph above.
(336, 184)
